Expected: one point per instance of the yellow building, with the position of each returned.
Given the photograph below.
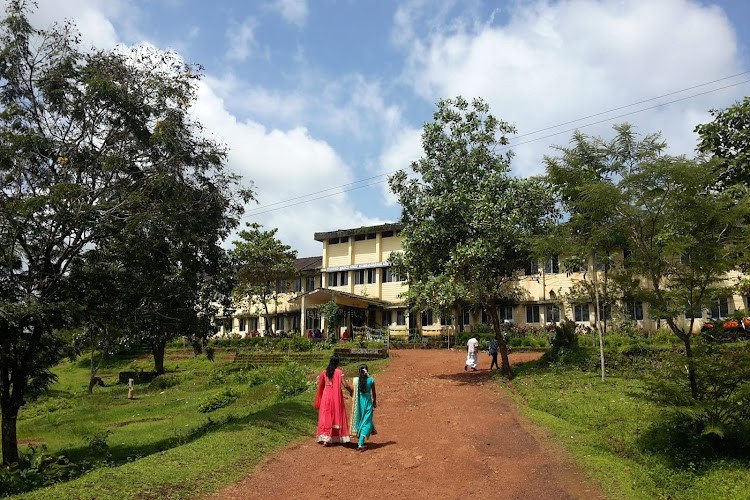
(354, 272)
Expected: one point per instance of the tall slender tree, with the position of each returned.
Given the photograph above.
(467, 221)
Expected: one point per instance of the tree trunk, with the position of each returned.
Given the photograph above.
(598, 313)
(691, 367)
(10, 440)
(507, 370)
(158, 349)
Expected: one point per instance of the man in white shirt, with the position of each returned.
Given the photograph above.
(472, 350)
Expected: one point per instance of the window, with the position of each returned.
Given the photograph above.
(685, 259)
(298, 285)
(692, 312)
(505, 313)
(389, 275)
(333, 279)
(635, 310)
(427, 317)
(607, 312)
(401, 317)
(279, 323)
(485, 318)
(282, 286)
(333, 241)
(552, 313)
(465, 316)
(444, 320)
(532, 267)
(581, 312)
(370, 236)
(359, 237)
(387, 234)
(253, 323)
(603, 262)
(343, 278)
(243, 326)
(296, 322)
(387, 317)
(532, 314)
(552, 265)
(720, 307)
(309, 283)
(364, 276)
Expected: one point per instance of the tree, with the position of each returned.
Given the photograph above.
(584, 178)
(727, 140)
(83, 136)
(262, 262)
(466, 219)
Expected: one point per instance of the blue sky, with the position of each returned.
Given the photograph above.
(319, 100)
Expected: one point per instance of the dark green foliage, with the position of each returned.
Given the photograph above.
(39, 469)
(720, 415)
(218, 401)
(98, 442)
(166, 381)
(210, 353)
(565, 335)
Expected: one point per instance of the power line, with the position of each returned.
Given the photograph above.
(317, 195)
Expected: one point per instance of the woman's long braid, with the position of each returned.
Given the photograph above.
(333, 363)
(363, 379)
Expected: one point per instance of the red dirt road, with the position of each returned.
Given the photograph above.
(442, 433)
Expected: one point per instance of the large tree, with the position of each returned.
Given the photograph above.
(727, 140)
(84, 137)
(467, 221)
(262, 261)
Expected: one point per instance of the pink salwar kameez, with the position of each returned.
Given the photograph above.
(329, 400)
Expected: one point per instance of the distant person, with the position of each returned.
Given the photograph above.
(364, 403)
(493, 352)
(317, 334)
(472, 349)
(346, 334)
(329, 401)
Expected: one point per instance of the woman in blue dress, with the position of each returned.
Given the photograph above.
(365, 402)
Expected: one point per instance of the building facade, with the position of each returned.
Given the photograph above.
(354, 272)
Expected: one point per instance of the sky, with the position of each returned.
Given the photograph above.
(318, 101)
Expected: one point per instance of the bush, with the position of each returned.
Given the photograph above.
(37, 470)
(165, 381)
(98, 442)
(218, 401)
(292, 379)
(720, 415)
(565, 335)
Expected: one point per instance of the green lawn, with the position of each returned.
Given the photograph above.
(612, 431)
(160, 445)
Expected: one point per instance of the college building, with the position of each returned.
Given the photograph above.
(354, 272)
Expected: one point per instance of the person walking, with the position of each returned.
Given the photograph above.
(329, 401)
(472, 349)
(493, 352)
(365, 401)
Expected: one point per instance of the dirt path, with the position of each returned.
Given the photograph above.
(442, 433)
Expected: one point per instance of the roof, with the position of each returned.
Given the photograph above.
(309, 263)
(339, 233)
(321, 296)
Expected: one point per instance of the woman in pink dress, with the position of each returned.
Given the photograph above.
(329, 401)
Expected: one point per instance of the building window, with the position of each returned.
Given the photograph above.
(465, 316)
(359, 276)
(484, 318)
(365, 276)
(359, 237)
(387, 234)
(635, 310)
(685, 259)
(309, 283)
(298, 285)
(389, 275)
(607, 311)
(279, 323)
(333, 279)
(602, 263)
(370, 236)
(387, 317)
(444, 320)
(333, 241)
(552, 265)
(282, 286)
(401, 317)
(552, 313)
(243, 326)
(532, 314)
(427, 317)
(532, 267)
(343, 278)
(581, 312)
(720, 308)
(296, 322)
(693, 312)
(505, 313)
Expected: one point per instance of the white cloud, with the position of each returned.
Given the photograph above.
(556, 61)
(284, 165)
(92, 18)
(241, 38)
(404, 148)
(293, 11)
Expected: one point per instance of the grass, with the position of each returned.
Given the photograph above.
(160, 445)
(617, 435)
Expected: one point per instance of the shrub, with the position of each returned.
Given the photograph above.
(165, 381)
(210, 353)
(720, 415)
(565, 335)
(218, 401)
(292, 379)
(98, 442)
